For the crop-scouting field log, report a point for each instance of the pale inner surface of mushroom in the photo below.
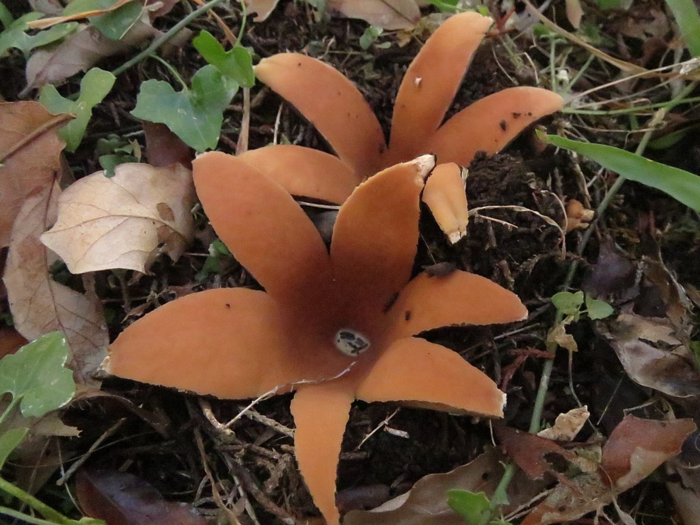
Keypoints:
(351, 342)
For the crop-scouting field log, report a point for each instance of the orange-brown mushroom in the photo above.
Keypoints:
(445, 196)
(577, 216)
(333, 327)
(339, 111)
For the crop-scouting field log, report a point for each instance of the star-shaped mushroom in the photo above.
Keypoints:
(332, 325)
(342, 115)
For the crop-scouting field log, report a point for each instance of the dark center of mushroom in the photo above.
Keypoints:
(351, 342)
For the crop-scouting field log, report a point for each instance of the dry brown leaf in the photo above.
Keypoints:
(261, 8)
(426, 503)
(638, 446)
(121, 498)
(119, 222)
(684, 480)
(39, 304)
(79, 52)
(652, 356)
(387, 14)
(574, 12)
(10, 341)
(634, 450)
(531, 453)
(560, 336)
(45, 23)
(567, 425)
(163, 147)
(29, 156)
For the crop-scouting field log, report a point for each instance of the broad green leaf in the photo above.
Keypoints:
(597, 309)
(611, 4)
(446, 6)
(94, 87)
(6, 17)
(568, 303)
(679, 184)
(113, 24)
(686, 14)
(15, 36)
(114, 151)
(195, 115)
(473, 507)
(695, 348)
(37, 376)
(9, 441)
(235, 64)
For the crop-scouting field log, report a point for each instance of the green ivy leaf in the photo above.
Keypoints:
(568, 303)
(94, 87)
(6, 17)
(235, 64)
(473, 507)
(15, 36)
(597, 309)
(114, 24)
(9, 441)
(370, 36)
(114, 151)
(195, 115)
(446, 6)
(36, 375)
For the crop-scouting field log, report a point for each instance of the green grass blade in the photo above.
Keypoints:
(679, 184)
(686, 14)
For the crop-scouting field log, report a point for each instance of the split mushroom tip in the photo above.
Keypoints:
(105, 366)
(424, 165)
(455, 236)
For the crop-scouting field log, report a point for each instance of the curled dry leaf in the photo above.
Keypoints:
(79, 52)
(613, 274)
(261, 8)
(10, 341)
(387, 14)
(39, 304)
(652, 355)
(684, 480)
(634, 450)
(163, 147)
(119, 222)
(574, 12)
(532, 454)
(29, 156)
(567, 425)
(426, 503)
(120, 498)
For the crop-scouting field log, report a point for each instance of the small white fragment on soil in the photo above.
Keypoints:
(567, 425)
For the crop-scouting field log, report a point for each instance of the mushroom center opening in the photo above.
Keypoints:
(351, 342)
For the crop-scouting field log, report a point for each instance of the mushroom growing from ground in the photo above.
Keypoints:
(342, 115)
(332, 325)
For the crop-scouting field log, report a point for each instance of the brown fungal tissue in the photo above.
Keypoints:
(333, 325)
(342, 115)
(578, 217)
